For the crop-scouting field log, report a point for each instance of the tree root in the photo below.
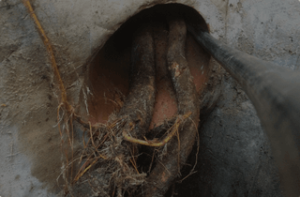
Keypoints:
(156, 142)
(138, 106)
(168, 168)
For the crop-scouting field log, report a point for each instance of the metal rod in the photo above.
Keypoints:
(275, 94)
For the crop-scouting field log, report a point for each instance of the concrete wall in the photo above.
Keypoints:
(235, 158)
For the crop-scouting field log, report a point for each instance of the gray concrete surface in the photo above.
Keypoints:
(235, 158)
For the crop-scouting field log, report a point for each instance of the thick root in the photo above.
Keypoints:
(138, 106)
(168, 168)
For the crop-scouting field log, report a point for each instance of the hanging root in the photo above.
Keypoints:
(138, 106)
(166, 170)
(49, 49)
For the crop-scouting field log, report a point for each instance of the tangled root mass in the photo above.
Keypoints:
(108, 165)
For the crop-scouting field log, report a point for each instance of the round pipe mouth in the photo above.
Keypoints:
(108, 78)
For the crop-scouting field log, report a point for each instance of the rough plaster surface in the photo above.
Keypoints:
(235, 158)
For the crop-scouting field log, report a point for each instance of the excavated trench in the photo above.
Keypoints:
(141, 103)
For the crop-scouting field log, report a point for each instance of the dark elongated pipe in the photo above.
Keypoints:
(275, 94)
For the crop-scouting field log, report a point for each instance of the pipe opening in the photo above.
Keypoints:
(108, 79)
